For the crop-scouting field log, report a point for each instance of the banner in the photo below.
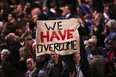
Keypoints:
(57, 36)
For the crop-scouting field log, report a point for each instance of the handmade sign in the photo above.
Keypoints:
(57, 36)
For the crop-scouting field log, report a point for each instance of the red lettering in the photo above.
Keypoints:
(69, 33)
(62, 35)
(54, 35)
(59, 35)
(44, 36)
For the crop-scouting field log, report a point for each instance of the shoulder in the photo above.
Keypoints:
(36, 70)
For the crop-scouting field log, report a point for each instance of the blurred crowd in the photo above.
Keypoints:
(97, 57)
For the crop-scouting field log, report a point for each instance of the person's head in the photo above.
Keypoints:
(11, 38)
(41, 56)
(112, 25)
(77, 58)
(35, 11)
(99, 18)
(31, 64)
(92, 42)
(11, 16)
(28, 42)
(45, 10)
(19, 32)
(67, 9)
(19, 8)
(106, 7)
(54, 57)
(94, 37)
(28, 4)
(4, 54)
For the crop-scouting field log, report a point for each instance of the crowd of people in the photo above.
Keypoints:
(97, 57)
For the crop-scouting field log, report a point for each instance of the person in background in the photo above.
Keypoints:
(19, 12)
(105, 12)
(32, 71)
(7, 65)
(48, 13)
(54, 66)
(112, 53)
(92, 49)
(41, 61)
(98, 28)
(112, 10)
(26, 52)
(113, 73)
(11, 24)
(67, 12)
(79, 69)
(111, 25)
(13, 45)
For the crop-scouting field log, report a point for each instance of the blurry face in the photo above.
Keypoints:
(94, 37)
(94, 13)
(66, 9)
(55, 57)
(30, 64)
(28, 5)
(4, 55)
(9, 17)
(35, 11)
(106, 8)
(19, 8)
(20, 32)
(45, 9)
(77, 58)
(41, 58)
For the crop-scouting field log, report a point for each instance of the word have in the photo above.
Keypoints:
(49, 36)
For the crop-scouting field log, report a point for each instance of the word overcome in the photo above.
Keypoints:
(57, 46)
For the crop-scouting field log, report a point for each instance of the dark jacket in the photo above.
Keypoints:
(8, 67)
(55, 69)
(34, 74)
(52, 69)
(69, 65)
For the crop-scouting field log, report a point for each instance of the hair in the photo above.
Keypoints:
(11, 35)
(6, 51)
(36, 11)
(112, 24)
(69, 7)
(13, 15)
(34, 60)
(100, 18)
